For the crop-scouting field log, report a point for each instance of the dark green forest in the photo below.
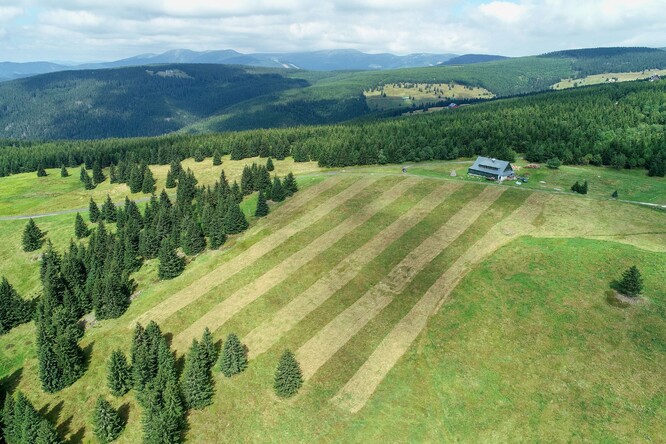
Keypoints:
(620, 125)
(591, 61)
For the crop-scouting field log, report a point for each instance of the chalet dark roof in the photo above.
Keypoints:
(492, 166)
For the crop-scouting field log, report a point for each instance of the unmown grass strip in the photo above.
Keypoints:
(216, 277)
(221, 313)
(313, 354)
(267, 334)
(362, 385)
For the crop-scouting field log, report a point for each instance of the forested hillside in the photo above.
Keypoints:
(619, 124)
(128, 102)
(199, 98)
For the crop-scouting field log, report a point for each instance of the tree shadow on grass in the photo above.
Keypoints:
(124, 412)
(87, 355)
(77, 437)
(11, 382)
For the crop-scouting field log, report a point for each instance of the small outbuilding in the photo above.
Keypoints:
(492, 168)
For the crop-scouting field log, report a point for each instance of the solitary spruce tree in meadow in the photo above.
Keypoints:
(107, 423)
(171, 179)
(41, 172)
(171, 265)
(575, 187)
(233, 359)
(583, 188)
(118, 374)
(63, 171)
(262, 205)
(217, 159)
(277, 191)
(197, 381)
(632, 282)
(81, 229)
(13, 309)
(614, 195)
(269, 164)
(288, 377)
(33, 237)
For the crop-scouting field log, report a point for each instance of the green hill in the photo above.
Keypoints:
(153, 100)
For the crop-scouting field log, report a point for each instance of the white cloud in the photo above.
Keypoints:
(96, 29)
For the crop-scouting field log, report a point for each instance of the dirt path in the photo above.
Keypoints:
(266, 335)
(319, 349)
(200, 287)
(362, 385)
(240, 299)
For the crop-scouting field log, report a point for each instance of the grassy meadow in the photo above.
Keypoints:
(400, 95)
(421, 307)
(597, 79)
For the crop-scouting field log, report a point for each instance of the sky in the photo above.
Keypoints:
(103, 30)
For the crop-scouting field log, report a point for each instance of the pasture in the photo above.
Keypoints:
(421, 307)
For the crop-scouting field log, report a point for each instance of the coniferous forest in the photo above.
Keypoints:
(619, 125)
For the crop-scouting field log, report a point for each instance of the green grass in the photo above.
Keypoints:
(527, 346)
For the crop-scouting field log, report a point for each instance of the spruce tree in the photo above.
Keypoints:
(234, 219)
(247, 181)
(233, 359)
(277, 191)
(114, 298)
(632, 282)
(171, 179)
(24, 425)
(171, 265)
(13, 309)
(119, 374)
(135, 181)
(262, 205)
(288, 377)
(208, 348)
(576, 187)
(107, 424)
(80, 228)
(193, 241)
(63, 171)
(583, 188)
(46, 433)
(262, 180)
(290, 185)
(93, 211)
(236, 192)
(197, 383)
(269, 164)
(33, 237)
(113, 174)
(198, 155)
(614, 195)
(217, 159)
(97, 174)
(108, 210)
(148, 184)
(216, 230)
(41, 172)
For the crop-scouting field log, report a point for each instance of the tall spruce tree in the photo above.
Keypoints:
(135, 180)
(81, 229)
(119, 374)
(217, 159)
(216, 230)
(93, 211)
(277, 191)
(234, 219)
(208, 348)
(33, 237)
(171, 265)
(63, 171)
(113, 174)
(108, 210)
(97, 174)
(13, 309)
(114, 297)
(631, 283)
(171, 179)
(22, 423)
(290, 185)
(197, 381)
(269, 164)
(233, 359)
(247, 181)
(41, 172)
(148, 184)
(288, 377)
(107, 423)
(193, 240)
(262, 205)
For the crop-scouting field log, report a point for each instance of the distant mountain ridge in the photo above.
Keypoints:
(468, 59)
(326, 60)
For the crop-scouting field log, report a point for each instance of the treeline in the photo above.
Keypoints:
(620, 125)
(604, 60)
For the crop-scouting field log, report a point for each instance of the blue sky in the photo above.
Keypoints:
(85, 30)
